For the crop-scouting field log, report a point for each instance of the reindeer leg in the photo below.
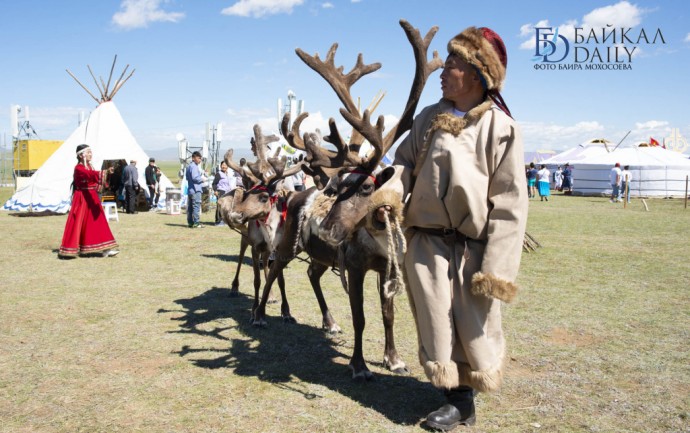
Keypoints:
(284, 306)
(391, 359)
(259, 313)
(360, 371)
(235, 288)
(315, 272)
(267, 265)
(256, 256)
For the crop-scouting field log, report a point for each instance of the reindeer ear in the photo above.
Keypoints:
(385, 175)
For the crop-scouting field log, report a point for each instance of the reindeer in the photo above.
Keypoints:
(256, 213)
(313, 218)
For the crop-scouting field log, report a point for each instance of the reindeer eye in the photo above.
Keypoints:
(366, 189)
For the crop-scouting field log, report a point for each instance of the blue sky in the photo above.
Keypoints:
(228, 61)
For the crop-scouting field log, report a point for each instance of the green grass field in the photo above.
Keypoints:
(150, 341)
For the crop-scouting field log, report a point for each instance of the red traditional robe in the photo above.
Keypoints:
(87, 230)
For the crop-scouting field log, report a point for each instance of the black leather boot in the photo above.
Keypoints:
(458, 411)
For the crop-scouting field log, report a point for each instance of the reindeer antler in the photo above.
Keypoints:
(361, 123)
(262, 168)
(243, 171)
(320, 163)
(423, 69)
(341, 83)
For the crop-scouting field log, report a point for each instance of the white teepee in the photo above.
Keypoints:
(49, 188)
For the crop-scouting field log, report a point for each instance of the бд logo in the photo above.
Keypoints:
(595, 48)
(547, 45)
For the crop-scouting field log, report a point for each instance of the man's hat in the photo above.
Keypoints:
(484, 49)
(152, 159)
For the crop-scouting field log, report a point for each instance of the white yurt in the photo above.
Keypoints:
(590, 148)
(656, 172)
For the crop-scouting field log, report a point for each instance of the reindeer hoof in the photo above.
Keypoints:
(289, 319)
(259, 323)
(403, 371)
(362, 375)
(332, 329)
(234, 293)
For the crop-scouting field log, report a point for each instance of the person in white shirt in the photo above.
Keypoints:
(558, 179)
(615, 179)
(544, 187)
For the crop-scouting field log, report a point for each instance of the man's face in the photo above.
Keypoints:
(196, 159)
(458, 79)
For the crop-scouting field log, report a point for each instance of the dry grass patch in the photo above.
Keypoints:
(151, 340)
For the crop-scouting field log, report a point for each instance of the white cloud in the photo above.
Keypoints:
(327, 5)
(539, 135)
(687, 37)
(139, 13)
(651, 124)
(622, 14)
(260, 8)
(617, 16)
(356, 1)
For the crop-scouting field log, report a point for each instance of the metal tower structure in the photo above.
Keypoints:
(292, 105)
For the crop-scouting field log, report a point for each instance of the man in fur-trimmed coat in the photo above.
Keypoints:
(463, 166)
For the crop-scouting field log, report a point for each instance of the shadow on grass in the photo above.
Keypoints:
(292, 355)
(230, 258)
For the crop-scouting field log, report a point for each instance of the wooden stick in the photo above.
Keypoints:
(119, 84)
(645, 205)
(97, 85)
(82, 86)
(686, 192)
(111, 75)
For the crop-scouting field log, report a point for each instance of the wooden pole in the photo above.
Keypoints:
(619, 143)
(82, 86)
(97, 85)
(119, 84)
(686, 192)
(112, 68)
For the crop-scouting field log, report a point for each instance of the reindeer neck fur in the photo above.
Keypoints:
(313, 212)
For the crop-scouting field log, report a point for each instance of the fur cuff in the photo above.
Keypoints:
(451, 375)
(493, 287)
(383, 197)
(488, 380)
(444, 375)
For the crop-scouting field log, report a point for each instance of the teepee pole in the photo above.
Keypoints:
(119, 83)
(82, 86)
(112, 68)
(96, 81)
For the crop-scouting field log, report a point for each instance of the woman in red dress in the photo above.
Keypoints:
(87, 230)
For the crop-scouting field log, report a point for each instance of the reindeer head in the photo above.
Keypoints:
(355, 178)
(264, 179)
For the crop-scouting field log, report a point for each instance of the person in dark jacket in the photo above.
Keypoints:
(130, 179)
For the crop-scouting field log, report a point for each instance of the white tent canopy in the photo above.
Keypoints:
(109, 138)
(655, 172)
(590, 148)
